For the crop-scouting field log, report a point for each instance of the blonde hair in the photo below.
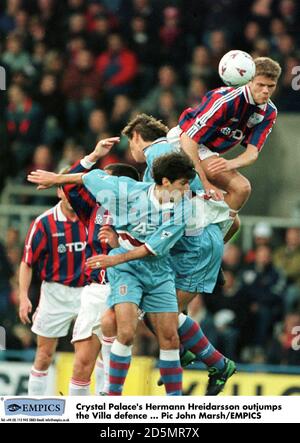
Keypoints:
(268, 68)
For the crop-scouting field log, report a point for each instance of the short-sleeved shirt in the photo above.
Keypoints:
(56, 245)
(138, 217)
(227, 117)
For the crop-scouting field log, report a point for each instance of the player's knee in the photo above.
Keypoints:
(241, 189)
(43, 359)
(108, 324)
(83, 368)
(169, 340)
(126, 336)
(245, 189)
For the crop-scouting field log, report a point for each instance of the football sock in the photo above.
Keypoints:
(107, 343)
(37, 383)
(120, 358)
(99, 376)
(79, 387)
(171, 371)
(192, 338)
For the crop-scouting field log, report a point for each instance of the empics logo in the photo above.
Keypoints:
(14, 407)
(34, 408)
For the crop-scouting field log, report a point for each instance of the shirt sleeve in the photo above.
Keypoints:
(259, 133)
(98, 181)
(35, 243)
(164, 238)
(81, 200)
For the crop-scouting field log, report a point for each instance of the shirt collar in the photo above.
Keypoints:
(156, 142)
(59, 215)
(249, 98)
(248, 95)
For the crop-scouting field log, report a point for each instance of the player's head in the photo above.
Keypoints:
(265, 81)
(173, 172)
(123, 170)
(141, 131)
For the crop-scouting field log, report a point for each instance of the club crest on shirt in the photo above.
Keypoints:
(61, 249)
(226, 131)
(123, 290)
(99, 217)
(166, 234)
(254, 120)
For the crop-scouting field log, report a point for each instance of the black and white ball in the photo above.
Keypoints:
(236, 68)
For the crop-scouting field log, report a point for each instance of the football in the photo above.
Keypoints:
(236, 68)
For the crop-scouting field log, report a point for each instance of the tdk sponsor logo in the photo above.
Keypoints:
(71, 247)
(34, 408)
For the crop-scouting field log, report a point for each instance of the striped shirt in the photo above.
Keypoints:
(56, 245)
(93, 216)
(227, 117)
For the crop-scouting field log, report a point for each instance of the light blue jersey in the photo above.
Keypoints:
(196, 259)
(140, 219)
(137, 214)
(157, 149)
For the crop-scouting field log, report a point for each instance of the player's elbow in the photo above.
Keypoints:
(254, 156)
(252, 153)
(245, 189)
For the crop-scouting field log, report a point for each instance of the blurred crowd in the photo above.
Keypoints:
(77, 70)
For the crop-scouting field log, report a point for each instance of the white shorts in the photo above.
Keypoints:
(173, 137)
(93, 305)
(205, 153)
(58, 307)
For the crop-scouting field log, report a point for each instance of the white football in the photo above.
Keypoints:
(236, 68)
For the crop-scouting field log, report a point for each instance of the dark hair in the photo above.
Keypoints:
(173, 166)
(123, 170)
(147, 126)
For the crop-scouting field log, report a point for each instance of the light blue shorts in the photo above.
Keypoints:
(196, 261)
(148, 283)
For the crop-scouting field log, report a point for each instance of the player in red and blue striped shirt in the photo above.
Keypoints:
(86, 333)
(55, 244)
(225, 118)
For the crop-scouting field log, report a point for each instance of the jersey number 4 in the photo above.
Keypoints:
(144, 229)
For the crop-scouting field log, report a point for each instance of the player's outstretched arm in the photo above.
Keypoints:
(190, 147)
(102, 148)
(246, 159)
(46, 179)
(108, 261)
